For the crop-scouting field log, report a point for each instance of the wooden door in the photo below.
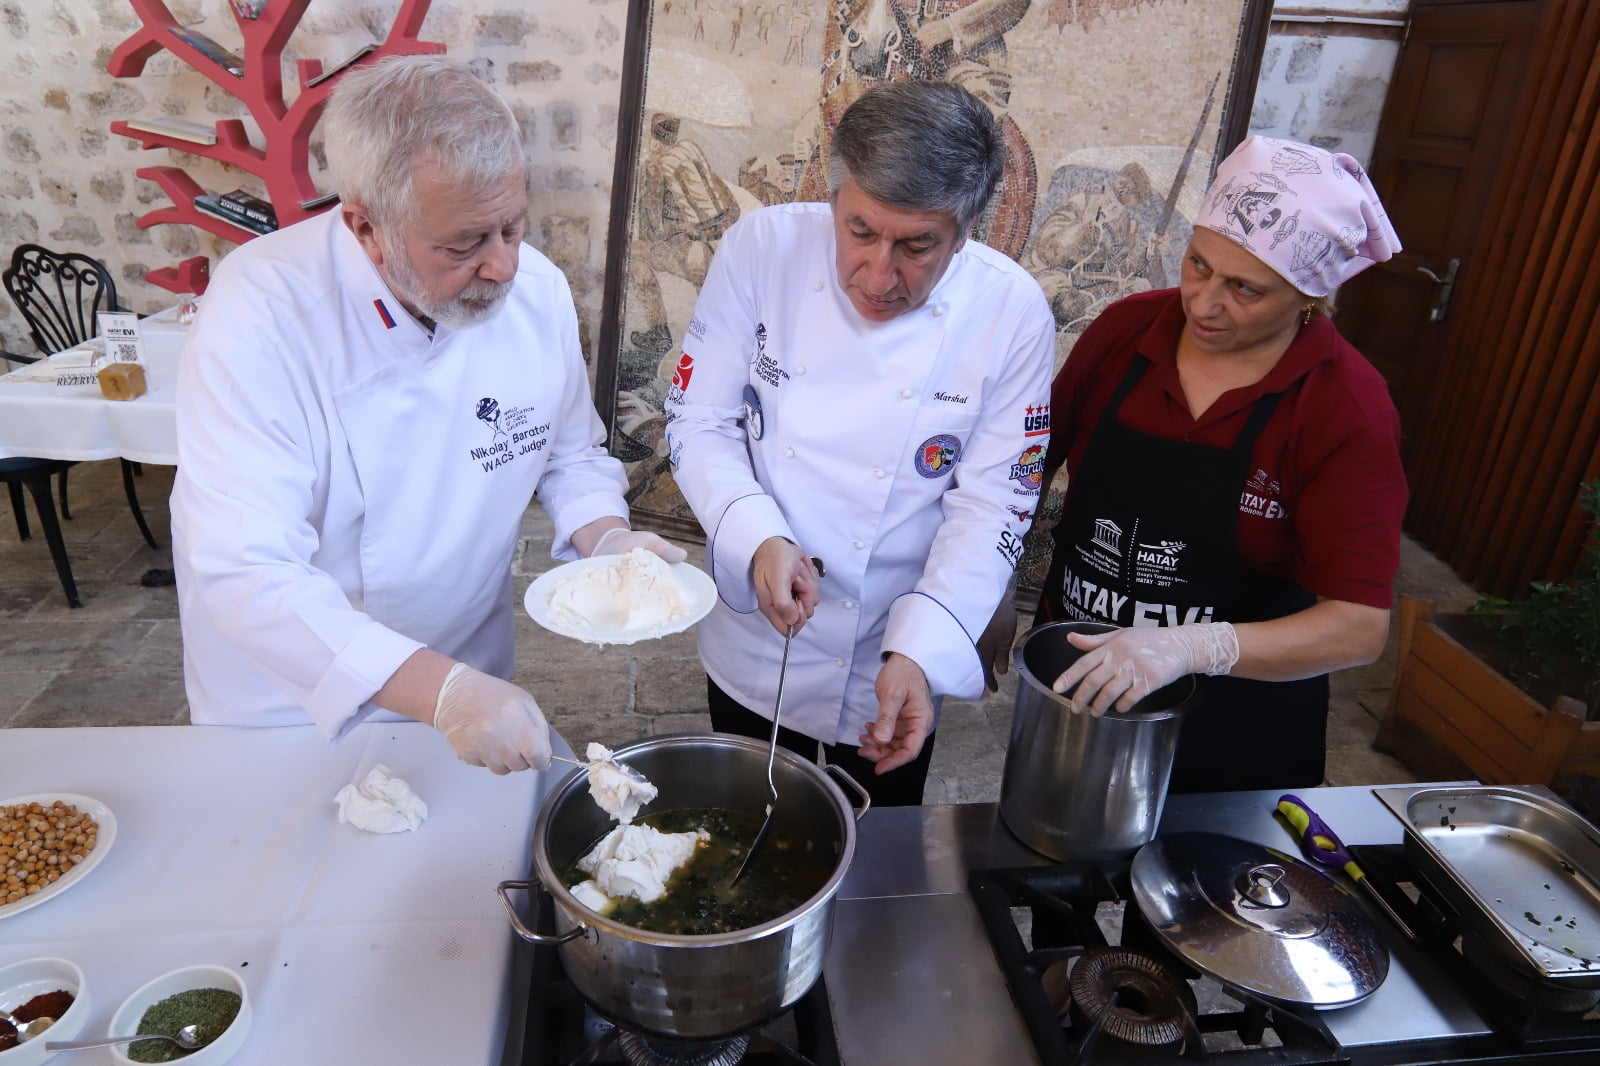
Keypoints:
(1440, 146)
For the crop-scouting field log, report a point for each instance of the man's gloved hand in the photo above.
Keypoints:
(1127, 665)
(621, 540)
(490, 722)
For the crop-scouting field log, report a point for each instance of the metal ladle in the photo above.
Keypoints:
(188, 1038)
(27, 1030)
(772, 751)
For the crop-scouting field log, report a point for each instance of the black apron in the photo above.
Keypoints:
(1149, 536)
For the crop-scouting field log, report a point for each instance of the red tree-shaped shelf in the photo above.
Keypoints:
(282, 161)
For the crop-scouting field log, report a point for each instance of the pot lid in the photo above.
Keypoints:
(1259, 919)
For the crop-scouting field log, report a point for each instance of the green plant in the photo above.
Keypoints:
(1558, 624)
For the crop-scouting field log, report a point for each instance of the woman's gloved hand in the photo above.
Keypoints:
(1125, 666)
(621, 540)
(490, 722)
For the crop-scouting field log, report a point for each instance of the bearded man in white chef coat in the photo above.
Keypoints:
(368, 401)
(861, 384)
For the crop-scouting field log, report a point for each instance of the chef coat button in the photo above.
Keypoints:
(905, 394)
(800, 369)
(878, 472)
(848, 605)
(839, 663)
(938, 311)
(816, 286)
(788, 453)
(859, 544)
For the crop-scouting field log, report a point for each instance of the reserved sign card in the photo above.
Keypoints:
(120, 331)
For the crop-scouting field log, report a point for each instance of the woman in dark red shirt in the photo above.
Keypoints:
(1234, 487)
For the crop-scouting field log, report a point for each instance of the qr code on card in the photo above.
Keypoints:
(123, 351)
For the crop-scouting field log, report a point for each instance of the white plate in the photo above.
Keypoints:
(102, 844)
(699, 594)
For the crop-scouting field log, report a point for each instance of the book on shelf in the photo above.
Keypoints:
(212, 205)
(250, 207)
(317, 203)
(360, 53)
(228, 61)
(175, 128)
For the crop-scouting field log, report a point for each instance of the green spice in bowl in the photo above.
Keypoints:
(209, 1010)
(213, 998)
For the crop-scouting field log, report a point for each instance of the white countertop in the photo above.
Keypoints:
(228, 850)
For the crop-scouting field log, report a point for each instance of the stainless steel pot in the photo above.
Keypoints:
(1077, 787)
(694, 987)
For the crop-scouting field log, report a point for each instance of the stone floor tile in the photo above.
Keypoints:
(18, 687)
(90, 697)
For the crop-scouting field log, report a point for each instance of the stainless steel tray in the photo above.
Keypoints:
(1519, 866)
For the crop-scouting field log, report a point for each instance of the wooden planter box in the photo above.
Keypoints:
(1451, 716)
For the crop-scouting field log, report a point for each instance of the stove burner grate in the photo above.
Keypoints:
(647, 1051)
(1136, 998)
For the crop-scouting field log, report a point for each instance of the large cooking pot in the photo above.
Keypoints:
(694, 987)
(1078, 787)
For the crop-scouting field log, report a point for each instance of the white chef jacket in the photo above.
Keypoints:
(350, 489)
(905, 454)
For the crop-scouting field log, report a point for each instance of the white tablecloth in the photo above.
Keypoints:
(48, 421)
(356, 948)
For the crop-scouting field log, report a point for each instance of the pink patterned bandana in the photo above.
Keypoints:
(1309, 214)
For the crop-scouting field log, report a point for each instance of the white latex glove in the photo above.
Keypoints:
(490, 722)
(621, 540)
(1127, 665)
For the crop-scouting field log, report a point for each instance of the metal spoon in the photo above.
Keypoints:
(27, 1030)
(777, 711)
(188, 1038)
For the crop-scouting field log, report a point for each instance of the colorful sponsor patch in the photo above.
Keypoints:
(1037, 421)
(938, 455)
(1028, 470)
(685, 370)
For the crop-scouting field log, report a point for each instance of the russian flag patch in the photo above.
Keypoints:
(383, 313)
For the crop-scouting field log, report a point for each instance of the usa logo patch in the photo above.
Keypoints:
(937, 455)
(1037, 421)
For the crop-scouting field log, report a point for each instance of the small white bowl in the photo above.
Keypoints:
(126, 1021)
(21, 981)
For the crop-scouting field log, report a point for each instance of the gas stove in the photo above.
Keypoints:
(1093, 983)
(558, 1028)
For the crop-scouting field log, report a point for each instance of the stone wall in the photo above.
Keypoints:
(67, 182)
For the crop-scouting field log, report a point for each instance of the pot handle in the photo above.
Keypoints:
(516, 919)
(844, 776)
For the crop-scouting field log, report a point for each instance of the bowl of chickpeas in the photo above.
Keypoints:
(49, 842)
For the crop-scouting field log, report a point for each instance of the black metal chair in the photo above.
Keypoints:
(59, 294)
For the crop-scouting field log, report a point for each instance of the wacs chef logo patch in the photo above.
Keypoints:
(937, 455)
(510, 435)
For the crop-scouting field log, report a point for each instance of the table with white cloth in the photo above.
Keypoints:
(355, 947)
(43, 420)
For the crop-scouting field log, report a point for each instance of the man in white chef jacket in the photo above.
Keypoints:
(367, 402)
(861, 384)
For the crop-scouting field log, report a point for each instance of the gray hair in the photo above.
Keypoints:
(922, 146)
(384, 118)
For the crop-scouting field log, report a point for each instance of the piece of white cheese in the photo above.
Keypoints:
(381, 803)
(635, 861)
(618, 792)
(634, 594)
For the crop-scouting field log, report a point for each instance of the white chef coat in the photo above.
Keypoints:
(351, 489)
(905, 454)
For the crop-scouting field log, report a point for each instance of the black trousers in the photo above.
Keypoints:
(901, 787)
